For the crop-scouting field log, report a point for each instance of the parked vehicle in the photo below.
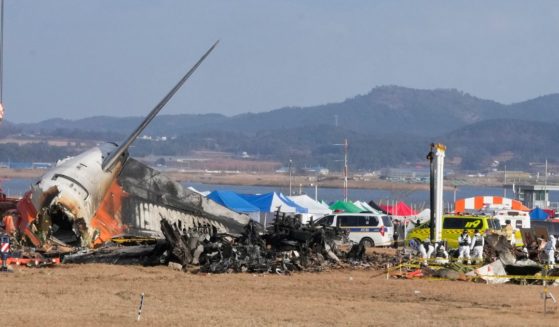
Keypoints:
(453, 225)
(519, 219)
(366, 228)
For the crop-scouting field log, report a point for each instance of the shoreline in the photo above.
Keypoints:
(280, 180)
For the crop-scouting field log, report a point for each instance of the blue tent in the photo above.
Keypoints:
(269, 202)
(232, 201)
(538, 214)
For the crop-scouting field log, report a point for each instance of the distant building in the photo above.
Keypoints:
(405, 174)
(42, 165)
(533, 195)
(25, 165)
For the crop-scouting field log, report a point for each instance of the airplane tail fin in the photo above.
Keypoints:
(113, 157)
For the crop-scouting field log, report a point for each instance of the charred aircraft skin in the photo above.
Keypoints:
(102, 193)
(152, 196)
(130, 200)
(69, 193)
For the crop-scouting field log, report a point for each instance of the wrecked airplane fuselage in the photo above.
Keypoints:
(102, 193)
(66, 198)
(80, 204)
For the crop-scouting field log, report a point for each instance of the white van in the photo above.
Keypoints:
(518, 219)
(366, 228)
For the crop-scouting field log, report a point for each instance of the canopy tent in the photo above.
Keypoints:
(550, 213)
(365, 206)
(424, 215)
(315, 209)
(232, 201)
(538, 214)
(399, 209)
(204, 193)
(345, 207)
(480, 202)
(269, 203)
(375, 206)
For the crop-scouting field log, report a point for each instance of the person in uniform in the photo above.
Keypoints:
(478, 243)
(426, 250)
(396, 235)
(550, 250)
(441, 255)
(509, 232)
(10, 221)
(464, 242)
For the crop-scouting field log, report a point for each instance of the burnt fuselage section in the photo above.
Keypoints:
(79, 204)
(91, 198)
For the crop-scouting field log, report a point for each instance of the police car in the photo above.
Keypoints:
(367, 228)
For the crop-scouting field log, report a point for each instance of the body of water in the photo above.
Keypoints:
(418, 198)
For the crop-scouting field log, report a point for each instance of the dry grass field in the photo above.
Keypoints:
(105, 295)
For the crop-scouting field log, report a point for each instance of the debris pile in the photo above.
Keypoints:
(286, 246)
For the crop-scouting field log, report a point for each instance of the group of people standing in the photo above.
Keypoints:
(438, 250)
(469, 248)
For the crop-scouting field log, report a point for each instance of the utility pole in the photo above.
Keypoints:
(545, 197)
(455, 188)
(346, 168)
(1, 60)
(290, 164)
(346, 171)
(505, 183)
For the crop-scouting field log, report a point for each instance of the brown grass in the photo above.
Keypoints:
(100, 295)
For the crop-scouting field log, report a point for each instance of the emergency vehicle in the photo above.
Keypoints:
(519, 219)
(366, 228)
(453, 225)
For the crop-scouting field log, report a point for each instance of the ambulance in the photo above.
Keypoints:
(518, 219)
(453, 225)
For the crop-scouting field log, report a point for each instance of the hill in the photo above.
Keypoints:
(389, 126)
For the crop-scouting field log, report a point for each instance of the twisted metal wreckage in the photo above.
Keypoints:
(103, 194)
(285, 246)
(104, 206)
(503, 263)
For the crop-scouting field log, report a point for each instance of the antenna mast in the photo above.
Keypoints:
(346, 170)
(1, 59)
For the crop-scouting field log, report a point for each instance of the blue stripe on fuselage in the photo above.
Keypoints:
(363, 229)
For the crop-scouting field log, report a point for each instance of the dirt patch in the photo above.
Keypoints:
(93, 295)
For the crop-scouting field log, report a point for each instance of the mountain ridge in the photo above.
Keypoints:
(397, 122)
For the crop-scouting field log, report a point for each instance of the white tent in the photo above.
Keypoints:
(204, 193)
(269, 203)
(315, 209)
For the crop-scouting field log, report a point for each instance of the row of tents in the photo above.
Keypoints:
(262, 207)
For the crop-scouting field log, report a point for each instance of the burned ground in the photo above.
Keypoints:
(99, 295)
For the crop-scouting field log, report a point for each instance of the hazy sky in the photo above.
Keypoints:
(75, 59)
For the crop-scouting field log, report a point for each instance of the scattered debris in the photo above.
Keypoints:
(286, 246)
(146, 255)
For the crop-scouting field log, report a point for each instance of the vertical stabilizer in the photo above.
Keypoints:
(113, 157)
